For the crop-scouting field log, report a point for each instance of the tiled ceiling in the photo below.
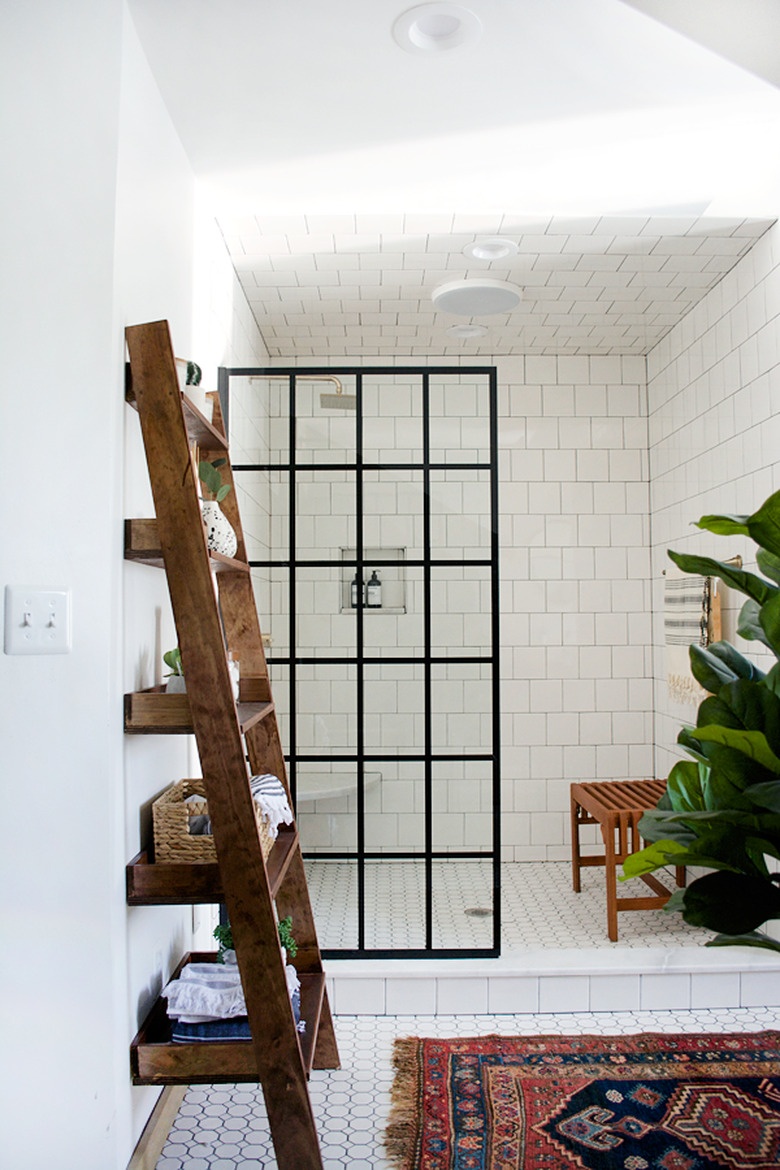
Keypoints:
(361, 285)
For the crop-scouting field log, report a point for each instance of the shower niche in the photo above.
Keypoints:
(389, 712)
(385, 565)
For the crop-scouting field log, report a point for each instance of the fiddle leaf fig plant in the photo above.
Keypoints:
(721, 808)
(210, 477)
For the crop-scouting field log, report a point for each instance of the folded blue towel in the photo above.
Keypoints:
(235, 1029)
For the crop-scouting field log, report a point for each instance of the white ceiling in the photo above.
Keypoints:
(631, 165)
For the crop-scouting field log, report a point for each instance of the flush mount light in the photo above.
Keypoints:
(476, 298)
(433, 28)
(491, 248)
(467, 330)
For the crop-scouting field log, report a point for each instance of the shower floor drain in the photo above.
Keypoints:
(478, 912)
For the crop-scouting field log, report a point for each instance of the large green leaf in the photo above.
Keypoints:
(718, 710)
(652, 857)
(724, 525)
(764, 525)
(752, 939)
(765, 795)
(752, 744)
(769, 564)
(656, 826)
(749, 623)
(755, 706)
(769, 620)
(730, 903)
(755, 587)
(685, 786)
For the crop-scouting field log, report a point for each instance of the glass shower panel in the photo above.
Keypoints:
(325, 514)
(394, 806)
(461, 708)
(254, 414)
(333, 889)
(397, 628)
(392, 418)
(323, 629)
(459, 418)
(461, 524)
(326, 711)
(394, 708)
(393, 511)
(272, 596)
(462, 903)
(461, 600)
(325, 418)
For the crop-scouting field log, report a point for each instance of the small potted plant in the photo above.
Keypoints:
(220, 536)
(176, 683)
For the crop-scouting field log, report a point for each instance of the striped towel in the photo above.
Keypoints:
(687, 604)
(270, 797)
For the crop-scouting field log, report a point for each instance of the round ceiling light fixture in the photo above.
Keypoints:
(434, 28)
(467, 330)
(490, 248)
(476, 298)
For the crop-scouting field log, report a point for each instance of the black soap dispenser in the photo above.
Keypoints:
(374, 592)
(356, 591)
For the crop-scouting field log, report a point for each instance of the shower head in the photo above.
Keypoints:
(338, 401)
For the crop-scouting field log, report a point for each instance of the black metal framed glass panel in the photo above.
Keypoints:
(373, 538)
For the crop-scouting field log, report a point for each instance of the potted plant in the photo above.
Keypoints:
(176, 683)
(220, 536)
(721, 809)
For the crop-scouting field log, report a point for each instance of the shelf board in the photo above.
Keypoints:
(156, 1060)
(142, 545)
(154, 712)
(199, 429)
(186, 884)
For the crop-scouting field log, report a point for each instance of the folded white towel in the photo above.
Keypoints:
(270, 797)
(206, 991)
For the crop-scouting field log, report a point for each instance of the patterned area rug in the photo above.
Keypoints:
(646, 1102)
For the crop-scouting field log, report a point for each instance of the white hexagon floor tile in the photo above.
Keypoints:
(223, 1127)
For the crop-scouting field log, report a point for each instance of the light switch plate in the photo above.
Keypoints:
(37, 621)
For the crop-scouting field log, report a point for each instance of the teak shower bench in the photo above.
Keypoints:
(617, 805)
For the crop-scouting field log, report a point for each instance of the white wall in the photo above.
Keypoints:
(714, 437)
(101, 228)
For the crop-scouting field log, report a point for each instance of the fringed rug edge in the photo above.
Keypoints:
(403, 1123)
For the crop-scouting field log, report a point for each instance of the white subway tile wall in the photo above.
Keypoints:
(714, 437)
(604, 462)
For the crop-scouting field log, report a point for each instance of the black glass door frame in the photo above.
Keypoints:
(361, 758)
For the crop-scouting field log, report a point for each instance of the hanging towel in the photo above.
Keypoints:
(271, 798)
(687, 604)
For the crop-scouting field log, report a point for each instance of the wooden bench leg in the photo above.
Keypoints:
(575, 844)
(610, 872)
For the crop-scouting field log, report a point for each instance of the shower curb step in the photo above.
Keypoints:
(559, 981)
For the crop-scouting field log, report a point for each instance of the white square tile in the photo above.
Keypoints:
(467, 996)
(564, 993)
(515, 994)
(614, 993)
(359, 996)
(410, 996)
(665, 991)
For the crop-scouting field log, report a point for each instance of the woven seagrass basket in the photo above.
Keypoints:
(172, 838)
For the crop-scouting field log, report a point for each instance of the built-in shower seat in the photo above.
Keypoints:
(616, 806)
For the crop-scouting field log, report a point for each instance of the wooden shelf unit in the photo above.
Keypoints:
(256, 892)
(181, 883)
(156, 1060)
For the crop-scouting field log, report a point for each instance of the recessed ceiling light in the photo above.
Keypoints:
(467, 330)
(476, 298)
(433, 28)
(491, 248)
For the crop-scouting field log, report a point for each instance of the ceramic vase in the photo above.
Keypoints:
(220, 536)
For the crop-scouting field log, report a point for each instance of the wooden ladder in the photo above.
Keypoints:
(210, 621)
